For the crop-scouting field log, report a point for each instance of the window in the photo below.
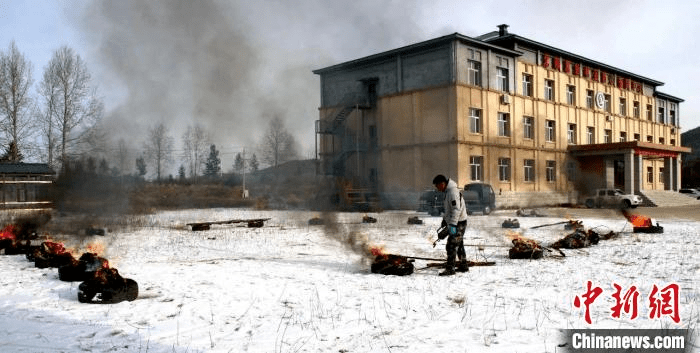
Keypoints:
(474, 72)
(549, 90)
(607, 103)
(551, 171)
(528, 128)
(527, 85)
(636, 137)
(502, 79)
(570, 171)
(529, 169)
(650, 174)
(571, 95)
(504, 169)
(635, 109)
(662, 113)
(649, 109)
(589, 99)
(571, 134)
(650, 138)
(672, 115)
(623, 136)
(607, 137)
(549, 131)
(623, 106)
(661, 175)
(590, 135)
(673, 142)
(476, 164)
(503, 124)
(662, 140)
(475, 120)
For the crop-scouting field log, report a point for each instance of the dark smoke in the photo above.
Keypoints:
(230, 65)
(350, 238)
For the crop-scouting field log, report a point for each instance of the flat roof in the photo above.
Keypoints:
(25, 168)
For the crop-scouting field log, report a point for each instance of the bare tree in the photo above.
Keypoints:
(159, 149)
(195, 141)
(72, 108)
(15, 99)
(278, 144)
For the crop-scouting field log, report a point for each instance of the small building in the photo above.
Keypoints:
(25, 185)
(540, 124)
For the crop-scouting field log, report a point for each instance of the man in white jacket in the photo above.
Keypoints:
(455, 219)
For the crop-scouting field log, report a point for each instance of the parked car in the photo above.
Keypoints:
(479, 197)
(691, 192)
(431, 201)
(613, 198)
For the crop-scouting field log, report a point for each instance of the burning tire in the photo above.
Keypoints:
(390, 264)
(108, 287)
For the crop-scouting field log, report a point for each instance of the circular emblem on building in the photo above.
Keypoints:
(600, 100)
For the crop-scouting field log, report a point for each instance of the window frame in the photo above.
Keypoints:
(474, 72)
(550, 171)
(527, 85)
(529, 170)
(504, 129)
(590, 135)
(571, 133)
(550, 127)
(504, 174)
(476, 168)
(502, 79)
(528, 127)
(475, 121)
(549, 90)
(571, 94)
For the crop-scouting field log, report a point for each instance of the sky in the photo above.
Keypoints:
(232, 66)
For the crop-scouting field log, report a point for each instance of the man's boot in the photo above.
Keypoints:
(463, 266)
(449, 271)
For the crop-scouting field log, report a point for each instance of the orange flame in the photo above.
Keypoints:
(639, 221)
(8, 232)
(95, 248)
(376, 250)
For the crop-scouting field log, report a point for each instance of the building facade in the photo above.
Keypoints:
(25, 185)
(540, 124)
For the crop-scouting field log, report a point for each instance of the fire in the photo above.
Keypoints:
(95, 248)
(8, 232)
(376, 250)
(639, 221)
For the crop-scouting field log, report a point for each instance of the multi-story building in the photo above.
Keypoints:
(540, 124)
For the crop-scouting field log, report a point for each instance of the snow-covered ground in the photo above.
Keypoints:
(292, 287)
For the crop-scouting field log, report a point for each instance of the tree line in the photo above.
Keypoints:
(59, 123)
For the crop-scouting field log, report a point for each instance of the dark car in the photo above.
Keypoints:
(431, 201)
(691, 192)
(479, 197)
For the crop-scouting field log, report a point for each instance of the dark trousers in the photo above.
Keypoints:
(455, 245)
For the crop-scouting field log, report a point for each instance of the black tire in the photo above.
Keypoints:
(132, 290)
(626, 204)
(85, 293)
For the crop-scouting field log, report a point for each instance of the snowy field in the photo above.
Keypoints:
(292, 287)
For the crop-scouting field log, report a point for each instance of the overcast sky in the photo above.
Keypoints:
(233, 65)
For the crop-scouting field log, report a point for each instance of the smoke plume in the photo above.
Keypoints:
(230, 66)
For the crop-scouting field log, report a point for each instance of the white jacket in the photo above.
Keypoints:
(455, 209)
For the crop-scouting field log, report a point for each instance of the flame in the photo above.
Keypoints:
(639, 221)
(8, 232)
(95, 248)
(376, 250)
